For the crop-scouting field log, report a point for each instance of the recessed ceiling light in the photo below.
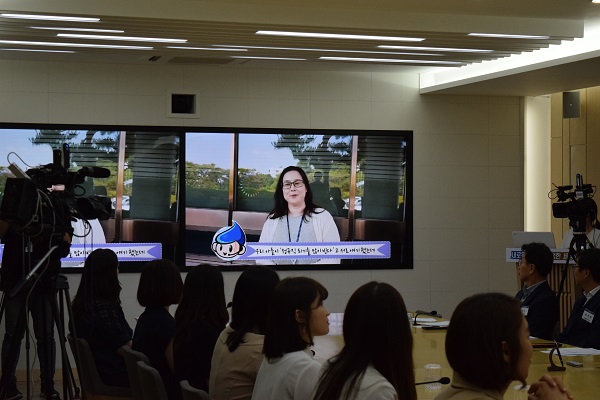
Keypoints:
(40, 51)
(596, 1)
(387, 60)
(203, 48)
(123, 38)
(49, 17)
(271, 58)
(58, 44)
(339, 36)
(50, 28)
(506, 36)
(435, 49)
(324, 50)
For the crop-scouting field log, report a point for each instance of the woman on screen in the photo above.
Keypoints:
(296, 316)
(488, 347)
(376, 361)
(295, 218)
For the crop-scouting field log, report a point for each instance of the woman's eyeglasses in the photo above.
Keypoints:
(296, 184)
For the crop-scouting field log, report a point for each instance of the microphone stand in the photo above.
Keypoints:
(419, 312)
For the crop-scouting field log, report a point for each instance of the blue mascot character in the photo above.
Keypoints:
(229, 242)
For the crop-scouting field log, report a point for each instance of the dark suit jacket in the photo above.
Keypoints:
(580, 332)
(543, 312)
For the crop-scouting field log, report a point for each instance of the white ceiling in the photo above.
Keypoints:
(208, 23)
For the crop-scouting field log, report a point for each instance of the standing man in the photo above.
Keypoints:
(539, 303)
(583, 327)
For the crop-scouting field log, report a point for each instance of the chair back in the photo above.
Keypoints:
(191, 393)
(153, 387)
(89, 377)
(131, 358)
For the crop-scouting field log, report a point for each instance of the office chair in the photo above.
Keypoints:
(153, 387)
(92, 385)
(191, 393)
(131, 358)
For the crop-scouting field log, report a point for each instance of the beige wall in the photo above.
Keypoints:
(468, 153)
(575, 146)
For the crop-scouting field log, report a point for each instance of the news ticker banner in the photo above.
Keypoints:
(124, 251)
(318, 250)
(515, 254)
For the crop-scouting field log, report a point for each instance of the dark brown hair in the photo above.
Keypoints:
(160, 284)
(203, 299)
(376, 333)
(99, 281)
(281, 206)
(474, 342)
(590, 259)
(539, 255)
(283, 333)
(251, 298)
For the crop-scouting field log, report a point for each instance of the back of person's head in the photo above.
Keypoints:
(291, 297)
(160, 284)
(590, 259)
(377, 333)
(99, 281)
(203, 299)
(481, 329)
(250, 304)
(540, 255)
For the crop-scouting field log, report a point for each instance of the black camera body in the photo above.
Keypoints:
(574, 204)
(44, 200)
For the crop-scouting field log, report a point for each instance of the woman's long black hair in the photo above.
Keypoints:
(281, 206)
(377, 333)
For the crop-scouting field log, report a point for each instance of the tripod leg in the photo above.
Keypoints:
(59, 322)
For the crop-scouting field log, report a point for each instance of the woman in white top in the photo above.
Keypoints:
(295, 218)
(376, 361)
(296, 315)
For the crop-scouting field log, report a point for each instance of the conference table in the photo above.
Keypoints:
(583, 382)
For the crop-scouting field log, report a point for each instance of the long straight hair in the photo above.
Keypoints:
(250, 304)
(99, 281)
(283, 333)
(203, 299)
(376, 332)
(281, 205)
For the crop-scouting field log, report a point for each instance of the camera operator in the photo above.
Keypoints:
(19, 252)
(592, 226)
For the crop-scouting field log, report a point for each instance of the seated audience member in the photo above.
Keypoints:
(296, 315)
(160, 286)
(376, 361)
(488, 347)
(238, 352)
(200, 317)
(539, 304)
(582, 328)
(98, 316)
(592, 225)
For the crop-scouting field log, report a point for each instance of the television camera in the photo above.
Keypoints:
(43, 199)
(574, 204)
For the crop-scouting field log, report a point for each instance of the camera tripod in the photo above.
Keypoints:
(579, 242)
(56, 298)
